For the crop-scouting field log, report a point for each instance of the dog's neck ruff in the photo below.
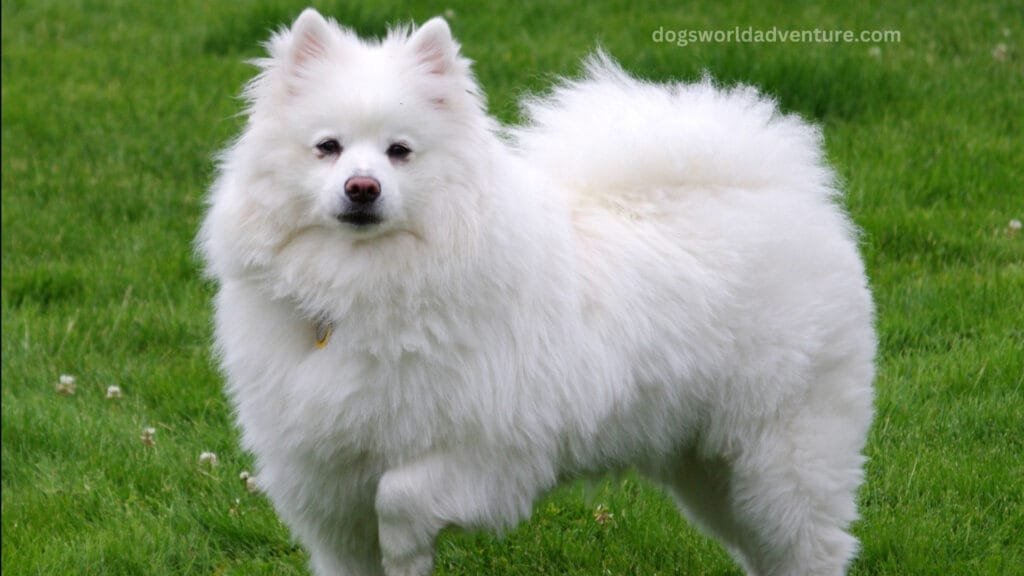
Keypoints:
(322, 330)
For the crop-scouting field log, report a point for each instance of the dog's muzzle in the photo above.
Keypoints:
(361, 205)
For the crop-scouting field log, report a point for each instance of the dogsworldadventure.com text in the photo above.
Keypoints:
(773, 35)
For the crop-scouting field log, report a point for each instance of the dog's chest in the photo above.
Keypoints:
(382, 395)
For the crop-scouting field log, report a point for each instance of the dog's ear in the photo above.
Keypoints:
(434, 47)
(311, 36)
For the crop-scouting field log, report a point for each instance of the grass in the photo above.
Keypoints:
(113, 109)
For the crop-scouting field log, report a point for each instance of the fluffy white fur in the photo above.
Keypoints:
(642, 275)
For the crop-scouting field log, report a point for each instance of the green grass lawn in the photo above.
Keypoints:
(112, 111)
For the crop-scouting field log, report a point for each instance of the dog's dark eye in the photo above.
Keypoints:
(398, 151)
(329, 147)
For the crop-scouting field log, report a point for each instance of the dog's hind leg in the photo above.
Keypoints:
(782, 500)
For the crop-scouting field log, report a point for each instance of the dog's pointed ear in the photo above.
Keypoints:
(311, 36)
(434, 47)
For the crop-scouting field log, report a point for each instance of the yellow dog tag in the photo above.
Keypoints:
(324, 329)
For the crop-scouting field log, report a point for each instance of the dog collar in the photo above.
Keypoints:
(322, 333)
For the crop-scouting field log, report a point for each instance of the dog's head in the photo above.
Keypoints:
(364, 132)
(353, 150)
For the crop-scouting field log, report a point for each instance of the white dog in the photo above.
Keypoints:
(425, 321)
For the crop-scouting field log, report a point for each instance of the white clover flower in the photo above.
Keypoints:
(1014, 225)
(999, 52)
(249, 481)
(147, 436)
(113, 392)
(66, 384)
(208, 458)
(449, 13)
(875, 52)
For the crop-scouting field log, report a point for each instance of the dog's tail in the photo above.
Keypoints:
(610, 133)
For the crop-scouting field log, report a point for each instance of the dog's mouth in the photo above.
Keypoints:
(360, 218)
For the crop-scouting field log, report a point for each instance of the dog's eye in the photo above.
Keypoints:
(398, 151)
(329, 147)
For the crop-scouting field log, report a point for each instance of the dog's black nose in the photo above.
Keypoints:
(362, 189)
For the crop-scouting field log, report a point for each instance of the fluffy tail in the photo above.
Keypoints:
(610, 133)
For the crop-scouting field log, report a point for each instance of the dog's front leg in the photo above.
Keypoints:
(415, 501)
